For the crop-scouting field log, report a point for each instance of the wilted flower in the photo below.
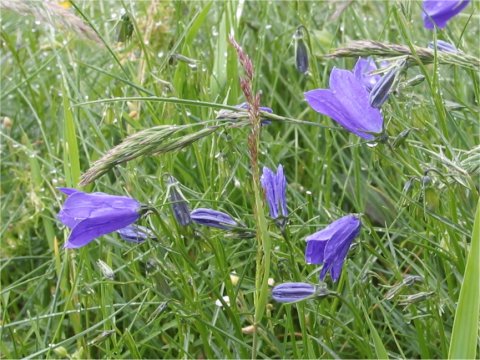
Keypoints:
(96, 214)
(363, 71)
(275, 187)
(347, 103)
(292, 292)
(180, 209)
(443, 46)
(213, 218)
(439, 12)
(330, 245)
(136, 233)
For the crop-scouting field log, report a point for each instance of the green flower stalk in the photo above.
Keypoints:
(263, 240)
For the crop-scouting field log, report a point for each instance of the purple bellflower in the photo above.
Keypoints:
(213, 218)
(136, 233)
(96, 214)
(347, 102)
(293, 292)
(275, 187)
(439, 12)
(363, 71)
(330, 245)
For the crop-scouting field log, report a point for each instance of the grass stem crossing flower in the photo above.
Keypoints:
(363, 71)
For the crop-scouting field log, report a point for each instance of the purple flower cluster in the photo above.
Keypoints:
(328, 246)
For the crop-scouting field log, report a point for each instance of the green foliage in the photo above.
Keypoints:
(67, 100)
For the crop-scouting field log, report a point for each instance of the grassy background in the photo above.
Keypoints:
(161, 303)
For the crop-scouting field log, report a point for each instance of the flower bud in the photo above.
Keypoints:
(213, 218)
(179, 205)
(136, 233)
(301, 52)
(443, 46)
(292, 292)
(382, 89)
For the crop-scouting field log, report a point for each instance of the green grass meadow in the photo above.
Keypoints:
(74, 87)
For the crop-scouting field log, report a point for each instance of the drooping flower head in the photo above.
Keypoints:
(136, 233)
(330, 245)
(275, 187)
(439, 12)
(347, 102)
(95, 214)
(213, 218)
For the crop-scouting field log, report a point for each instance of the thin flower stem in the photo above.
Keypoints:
(263, 240)
(286, 237)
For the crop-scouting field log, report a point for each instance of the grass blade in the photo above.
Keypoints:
(463, 344)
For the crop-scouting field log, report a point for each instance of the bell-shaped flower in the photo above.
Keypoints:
(136, 233)
(213, 218)
(439, 12)
(275, 187)
(330, 245)
(347, 102)
(95, 214)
